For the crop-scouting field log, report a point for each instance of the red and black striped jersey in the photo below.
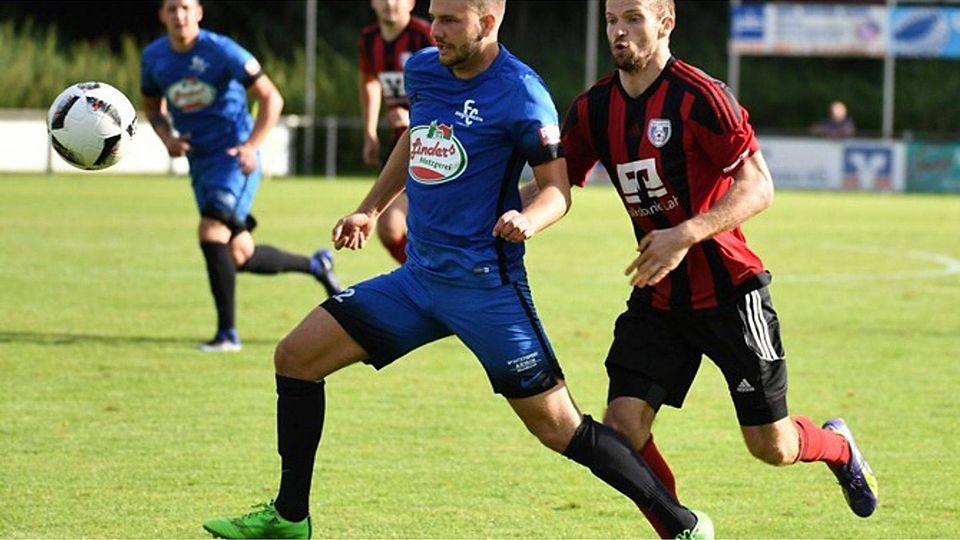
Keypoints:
(671, 153)
(385, 59)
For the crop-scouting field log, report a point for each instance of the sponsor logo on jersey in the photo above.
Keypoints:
(436, 155)
(659, 131)
(391, 84)
(469, 114)
(191, 94)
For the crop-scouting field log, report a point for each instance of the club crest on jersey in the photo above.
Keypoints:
(469, 114)
(659, 131)
(436, 155)
(198, 64)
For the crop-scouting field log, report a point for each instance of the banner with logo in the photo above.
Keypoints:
(809, 30)
(852, 165)
(932, 32)
(783, 29)
(933, 168)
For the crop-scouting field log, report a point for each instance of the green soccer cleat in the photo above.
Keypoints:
(264, 522)
(703, 530)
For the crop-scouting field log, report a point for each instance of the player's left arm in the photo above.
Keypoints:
(269, 105)
(662, 250)
(550, 203)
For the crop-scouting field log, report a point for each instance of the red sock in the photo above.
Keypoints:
(651, 455)
(398, 250)
(818, 444)
(658, 466)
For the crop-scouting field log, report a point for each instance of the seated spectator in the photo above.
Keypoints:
(838, 126)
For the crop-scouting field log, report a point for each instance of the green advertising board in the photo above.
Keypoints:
(933, 168)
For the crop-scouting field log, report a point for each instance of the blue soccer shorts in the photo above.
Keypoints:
(222, 191)
(393, 314)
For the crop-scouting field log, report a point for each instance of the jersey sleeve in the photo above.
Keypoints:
(722, 129)
(575, 139)
(536, 127)
(243, 66)
(148, 84)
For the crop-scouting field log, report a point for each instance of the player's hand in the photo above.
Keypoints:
(660, 252)
(247, 156)
(353, 231)
(513, 227)
(371, 152)
(178, 146)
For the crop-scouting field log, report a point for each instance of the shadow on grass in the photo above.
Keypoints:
(57, 339)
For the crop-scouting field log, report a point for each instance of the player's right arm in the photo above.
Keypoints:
(353, 230)
(155, 109)
(370, 97)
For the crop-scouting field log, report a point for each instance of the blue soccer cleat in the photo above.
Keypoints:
(224, 341)
(321, 266)
(856, 478)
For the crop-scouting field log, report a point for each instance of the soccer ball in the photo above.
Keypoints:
(91, 125)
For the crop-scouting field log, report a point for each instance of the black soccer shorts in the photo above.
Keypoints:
(655, 355)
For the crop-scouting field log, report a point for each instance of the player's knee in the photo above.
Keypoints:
(286, 357)
(772, 452)
(635, 427)
(241, 248)
(553, 435)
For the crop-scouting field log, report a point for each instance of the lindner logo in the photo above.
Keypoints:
(659, 131)
(191, 94)
(469, 114)
(436, 155)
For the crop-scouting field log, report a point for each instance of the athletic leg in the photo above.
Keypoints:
(221, 274)
(744, 341)
(265, 259)
(633, 417)
(374, 321)
(317, 347)
(553, 418)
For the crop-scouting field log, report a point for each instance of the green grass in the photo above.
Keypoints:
(111, 426)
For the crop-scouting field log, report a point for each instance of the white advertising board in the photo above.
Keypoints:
(24, 147)
(851, 164)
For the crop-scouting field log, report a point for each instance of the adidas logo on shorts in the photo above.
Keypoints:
(744, 387)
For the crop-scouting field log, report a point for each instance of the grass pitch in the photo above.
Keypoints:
(112, 426)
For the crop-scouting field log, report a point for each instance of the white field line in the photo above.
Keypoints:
(946, 266)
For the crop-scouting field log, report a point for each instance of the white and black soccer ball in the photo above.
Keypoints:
(91, 125)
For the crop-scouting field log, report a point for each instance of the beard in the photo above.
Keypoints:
(463, 53)
(630, 61)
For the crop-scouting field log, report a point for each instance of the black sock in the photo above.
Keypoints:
(610, 458)
(300, 411)
(267, 259)
(223, 281)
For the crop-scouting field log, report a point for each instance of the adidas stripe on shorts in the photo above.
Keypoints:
(656, 354)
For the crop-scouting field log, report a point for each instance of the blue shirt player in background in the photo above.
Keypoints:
(477, 115)
(202, 80)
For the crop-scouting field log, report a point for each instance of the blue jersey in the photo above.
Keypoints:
(205, 89)
(469, 141)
